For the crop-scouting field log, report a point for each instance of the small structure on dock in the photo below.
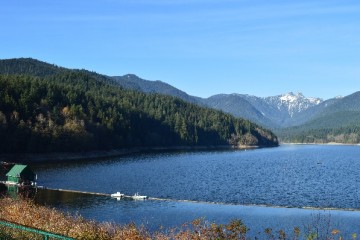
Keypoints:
(21, 175)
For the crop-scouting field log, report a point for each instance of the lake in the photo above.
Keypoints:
(266, 187)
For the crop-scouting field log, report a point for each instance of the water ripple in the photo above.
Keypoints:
(292, 176)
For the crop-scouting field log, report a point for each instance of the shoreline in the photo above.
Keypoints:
(34, 158)
(329, 143)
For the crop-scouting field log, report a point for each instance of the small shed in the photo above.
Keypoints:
(21, 174)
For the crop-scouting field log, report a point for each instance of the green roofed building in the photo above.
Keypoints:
(21, 174)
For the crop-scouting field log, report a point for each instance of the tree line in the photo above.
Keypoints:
(77, 110)
(347, 135)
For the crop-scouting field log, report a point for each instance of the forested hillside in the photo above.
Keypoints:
(340, 127)
(45, 108)
(338, 121)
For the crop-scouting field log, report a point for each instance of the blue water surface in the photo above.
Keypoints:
(241, 183)
(290, 175)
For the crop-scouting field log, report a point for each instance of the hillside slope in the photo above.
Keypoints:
(336, 121)
(45, 108)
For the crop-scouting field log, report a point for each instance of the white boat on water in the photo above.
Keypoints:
(117, 195)
(136, 196)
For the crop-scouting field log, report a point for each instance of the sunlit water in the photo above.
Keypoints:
(293, 176)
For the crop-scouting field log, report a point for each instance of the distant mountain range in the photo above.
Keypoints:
(275, 112)
(287, 114)
(292, 116)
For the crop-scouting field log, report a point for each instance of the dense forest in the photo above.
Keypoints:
(45, 108)
(347, 135)
(341, 126)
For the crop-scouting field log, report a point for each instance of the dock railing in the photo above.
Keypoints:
(27, 230)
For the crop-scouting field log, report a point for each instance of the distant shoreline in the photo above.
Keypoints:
(330, 143)
(36, 158)
(93, 155)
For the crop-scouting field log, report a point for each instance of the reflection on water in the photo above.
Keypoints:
(15, 191)
(2, 189)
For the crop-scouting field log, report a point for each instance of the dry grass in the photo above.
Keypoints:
(27, 213)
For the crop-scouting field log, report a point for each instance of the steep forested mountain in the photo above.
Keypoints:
(45, 108)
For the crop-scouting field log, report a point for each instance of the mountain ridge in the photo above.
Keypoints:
(293, 116)
(283, 111)
(134, 82)
(272, 112)
(293, 103)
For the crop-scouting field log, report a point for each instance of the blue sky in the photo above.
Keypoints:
(203, 47)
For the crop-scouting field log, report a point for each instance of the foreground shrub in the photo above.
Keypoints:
(27, 213)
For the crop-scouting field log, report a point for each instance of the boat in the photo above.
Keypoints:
(117, 195)
(136, 196)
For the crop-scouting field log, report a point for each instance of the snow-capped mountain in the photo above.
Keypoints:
(274, 112)
(292, 103)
